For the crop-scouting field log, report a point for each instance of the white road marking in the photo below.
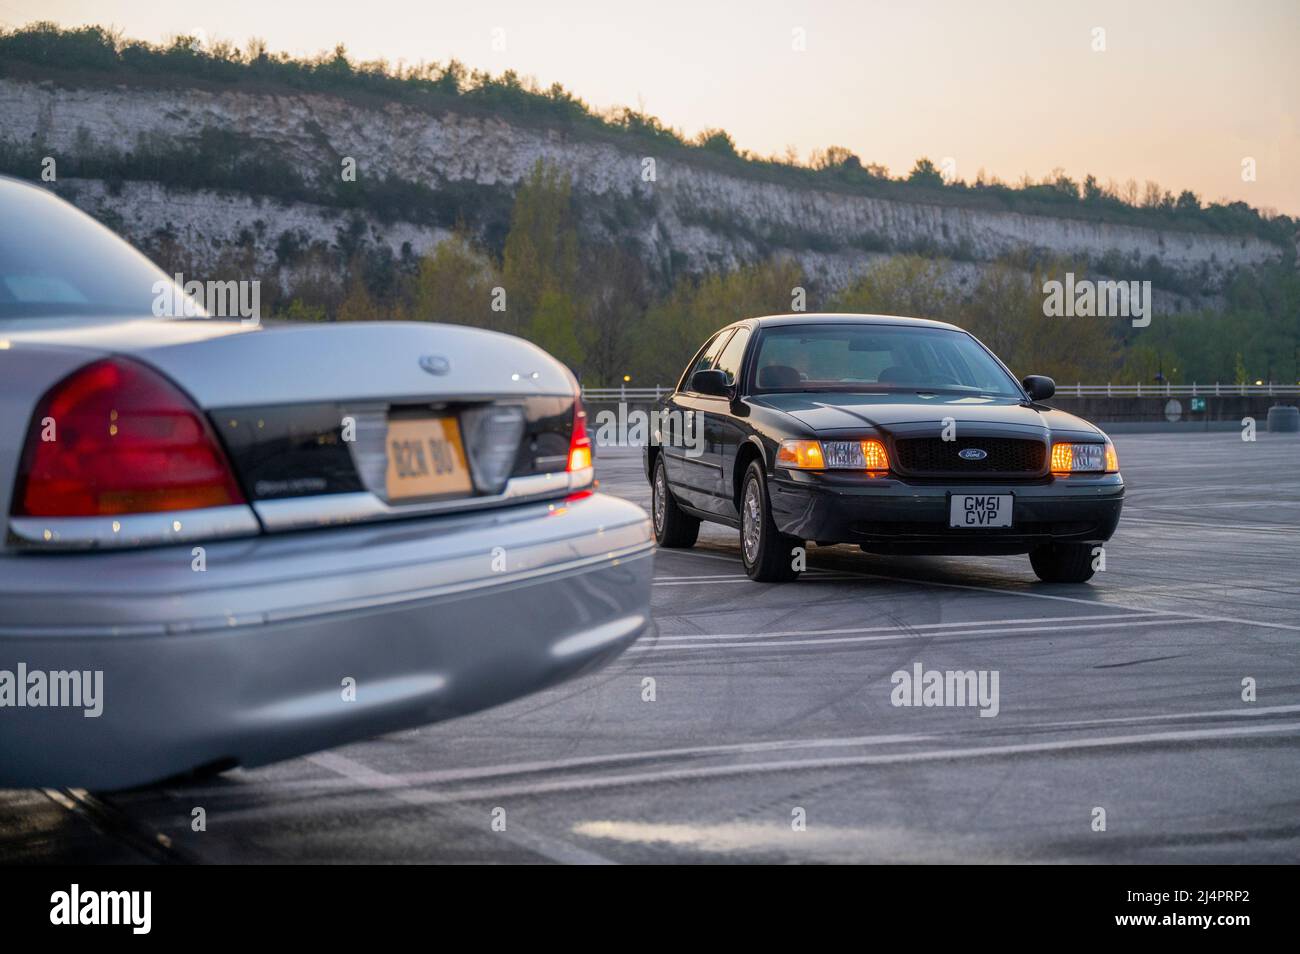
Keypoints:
(553, 849)
(807, 578)
(1182, 508)
(1245, 712)
(736, 748)
(586, 783)
(1201, 617)
(1044, 596)
(905, 628)
(1212, 527)
(733, 560)
(763, 641)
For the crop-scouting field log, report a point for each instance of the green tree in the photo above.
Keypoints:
(617, 297)
(696, 307)
(541, 248)
(925, 173)
(358, 305)
(454, 284)
(909, 285)
(717, 141)
(1009, 303)
(554, 326)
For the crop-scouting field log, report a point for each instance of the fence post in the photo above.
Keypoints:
(1193, 389)
(1139, 389)
(1216, 388)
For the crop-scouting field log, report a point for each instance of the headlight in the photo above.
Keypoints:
(1085, 458)
(868, 455)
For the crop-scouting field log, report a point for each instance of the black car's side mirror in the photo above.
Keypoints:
(1039, 387)
(711, 382)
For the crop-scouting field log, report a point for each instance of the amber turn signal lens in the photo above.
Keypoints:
(1062, 458)
(875, 456)
(801, 454)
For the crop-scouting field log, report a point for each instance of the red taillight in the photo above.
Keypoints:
(125, 440)
(579, 443)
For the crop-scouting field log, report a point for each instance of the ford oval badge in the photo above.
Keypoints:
(972, 453)
(435, 363)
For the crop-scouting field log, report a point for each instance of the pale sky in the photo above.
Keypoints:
(1183, 91)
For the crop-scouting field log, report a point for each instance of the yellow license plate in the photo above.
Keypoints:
(426, 458)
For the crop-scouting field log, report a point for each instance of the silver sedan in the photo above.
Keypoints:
(227, 544)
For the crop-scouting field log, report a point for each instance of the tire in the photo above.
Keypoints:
(674, 528)
(765, 551)
(1062, 562)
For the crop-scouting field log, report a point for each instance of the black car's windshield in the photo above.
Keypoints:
(57, 262)
(871, 357)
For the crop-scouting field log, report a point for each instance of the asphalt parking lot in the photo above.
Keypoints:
(772, 706)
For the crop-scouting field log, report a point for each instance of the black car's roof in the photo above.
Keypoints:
(826, 318)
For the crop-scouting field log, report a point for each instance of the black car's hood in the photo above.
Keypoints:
(843, 412)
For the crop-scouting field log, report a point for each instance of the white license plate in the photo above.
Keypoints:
(426, 458)
(977, 511)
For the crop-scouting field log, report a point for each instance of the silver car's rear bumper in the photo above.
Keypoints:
(249, 660)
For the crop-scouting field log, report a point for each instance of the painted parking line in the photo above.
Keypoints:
(1213, 527)
(908, 628)
(1027, 594)
(806, 578)
(1242, 712)
(974, 587)
(804, 765)
(351, 770)
(762, 641)
(549, 847)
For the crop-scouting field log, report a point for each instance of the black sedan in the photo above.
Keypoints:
(900, 435)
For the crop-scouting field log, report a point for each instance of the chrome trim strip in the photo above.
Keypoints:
(320, 510)
(134, 529)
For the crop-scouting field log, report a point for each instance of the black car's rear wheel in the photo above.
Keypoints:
(767, 553)
(674, 528)
(1062, 562)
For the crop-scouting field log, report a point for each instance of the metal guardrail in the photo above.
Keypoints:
(1062, 390)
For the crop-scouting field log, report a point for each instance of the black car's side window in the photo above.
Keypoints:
(705, 358)
(733, 356)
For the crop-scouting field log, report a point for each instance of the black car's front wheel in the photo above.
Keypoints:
(1063, 562)
(674, 528)
(769, 555)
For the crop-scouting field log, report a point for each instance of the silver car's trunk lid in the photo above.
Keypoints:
(305, 411)
(237, 366)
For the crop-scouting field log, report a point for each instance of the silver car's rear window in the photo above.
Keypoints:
(56, 261)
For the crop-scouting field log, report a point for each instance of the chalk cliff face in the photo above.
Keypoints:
(694, 215)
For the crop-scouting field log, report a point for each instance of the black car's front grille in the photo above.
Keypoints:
(934, 457)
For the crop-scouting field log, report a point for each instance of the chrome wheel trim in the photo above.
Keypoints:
(660, 499)
(751, 518)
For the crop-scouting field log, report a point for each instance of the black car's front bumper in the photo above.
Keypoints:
(891, 515)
